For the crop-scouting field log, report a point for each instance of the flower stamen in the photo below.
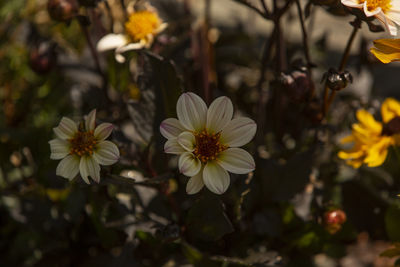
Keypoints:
(83, 143)
(208, 146)
(142, 24)
(385, 5)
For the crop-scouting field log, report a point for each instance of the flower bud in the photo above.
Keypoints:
(298, 84)
(62, 10)
(337, 80)
(42, 57)
(334, 219)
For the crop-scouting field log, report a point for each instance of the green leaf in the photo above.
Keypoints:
(207, 220)
(282, 182)
(392, 219)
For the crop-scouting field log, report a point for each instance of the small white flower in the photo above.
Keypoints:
(140, 30)
(83, 148)
(387, 11)
(207, 142)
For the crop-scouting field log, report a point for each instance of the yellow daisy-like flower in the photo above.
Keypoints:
(387, 11)
(372, 138)
(387, 50)
(140, 30)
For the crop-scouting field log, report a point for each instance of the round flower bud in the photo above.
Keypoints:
(42, 58)
(62, 10)
(334, 219)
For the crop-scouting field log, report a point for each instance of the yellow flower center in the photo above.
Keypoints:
(141, 24)
(83, 143)
(208, 146)
(385, 5)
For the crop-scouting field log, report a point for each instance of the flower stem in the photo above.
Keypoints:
(95, 56)
(328, 100)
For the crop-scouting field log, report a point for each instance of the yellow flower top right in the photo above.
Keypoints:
(386, 50)
(371, 139)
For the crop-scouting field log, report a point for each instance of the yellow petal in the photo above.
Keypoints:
(368, 121)
(387, 43)
(387, 50)
(355, 163)
(378, 152)
(351, 154)
(390, 108)
(386, 56)
(347, 139)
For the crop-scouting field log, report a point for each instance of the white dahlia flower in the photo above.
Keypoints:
(83, 148)
(387, 11)
(207, 142)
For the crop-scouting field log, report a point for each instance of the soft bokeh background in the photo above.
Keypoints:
(140, 214)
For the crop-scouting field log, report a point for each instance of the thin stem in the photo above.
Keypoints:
(305, 37)
(123, 6)
(91, 47)
(108, 8)
(328, 101)
(266, 10)
(346, 52)
(206, 48)
(253, 7)
(95, 56)
(263, 96)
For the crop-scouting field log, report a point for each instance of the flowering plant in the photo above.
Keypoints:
(248, 133)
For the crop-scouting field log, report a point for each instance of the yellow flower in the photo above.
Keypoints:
(142, 25)
(387, 50)
(371, 139)
(140, 30)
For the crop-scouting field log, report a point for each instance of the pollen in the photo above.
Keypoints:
(208, 146)
(385, 5)
(83, 143)
(141, 24)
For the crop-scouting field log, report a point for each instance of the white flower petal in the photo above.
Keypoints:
(219, 114)
(103, 131)
(238, 132)
(387, 21)
(66, 129)
(352, 3)
(89, 167)
(162, 27)
(171, 128)
(119, 58)
(187, 141)
(68, 167)
(371, 13)
(195, 184)
(128, 47)
(191, 111)
(90, 120)
(111, 41)
(236, 160)
(59, 148)
(188, 164)
(173, 147)
(215, 178)
(107, 153)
